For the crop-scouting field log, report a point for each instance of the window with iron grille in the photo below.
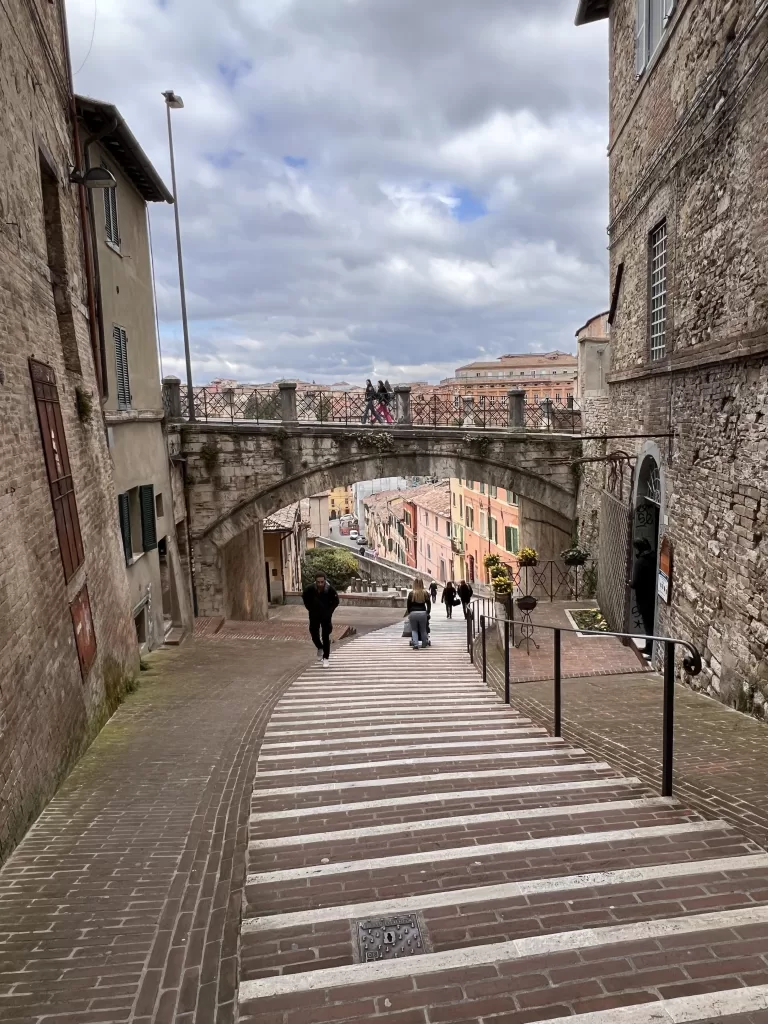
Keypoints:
(121, 367)
(110, 215)
(58, 468)
(658, 286)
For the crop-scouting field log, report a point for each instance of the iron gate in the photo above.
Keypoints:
(612, 585)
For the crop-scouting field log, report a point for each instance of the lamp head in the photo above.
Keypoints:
(174, 102)
(95, 177)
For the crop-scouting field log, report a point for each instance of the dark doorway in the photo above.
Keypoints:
(645, 547)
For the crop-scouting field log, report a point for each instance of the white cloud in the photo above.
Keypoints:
(357, 256)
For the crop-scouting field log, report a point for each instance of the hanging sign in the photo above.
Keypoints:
(664, 585)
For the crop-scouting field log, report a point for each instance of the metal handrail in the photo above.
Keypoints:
(691, 664)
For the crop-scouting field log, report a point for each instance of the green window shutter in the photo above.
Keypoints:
(120, 339)
(148, 523)
(515, 539)
(124, 508)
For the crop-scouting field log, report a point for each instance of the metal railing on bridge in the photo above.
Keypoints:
(461, 407)
(479, 627)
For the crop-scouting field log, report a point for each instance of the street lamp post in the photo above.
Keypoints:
(172, 101)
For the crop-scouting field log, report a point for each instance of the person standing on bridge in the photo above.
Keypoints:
(383, 396)
(321, 601)
(371, 399)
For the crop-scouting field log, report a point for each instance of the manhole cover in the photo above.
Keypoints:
(386, 938)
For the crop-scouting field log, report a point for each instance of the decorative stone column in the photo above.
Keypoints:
(288, 410)
(172, 397)
(516, 410)
(403, 404)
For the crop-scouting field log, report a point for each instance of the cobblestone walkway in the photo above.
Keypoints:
(123, 902)
(394, 791)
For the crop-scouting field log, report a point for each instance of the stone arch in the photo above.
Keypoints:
(251, 510)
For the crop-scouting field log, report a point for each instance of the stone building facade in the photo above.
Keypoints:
(67, 639)
(688, 384)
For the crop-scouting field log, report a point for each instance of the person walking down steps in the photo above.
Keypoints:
(433, 591)
(321, 601)
(418, 607)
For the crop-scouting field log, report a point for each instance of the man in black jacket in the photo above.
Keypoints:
(321, 601)
(465, 592)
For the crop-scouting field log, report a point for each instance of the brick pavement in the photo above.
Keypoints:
(547, 886)
(591, 655)
(619, 718)
(123, 902)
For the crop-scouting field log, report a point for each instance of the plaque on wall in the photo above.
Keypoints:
(665, 570)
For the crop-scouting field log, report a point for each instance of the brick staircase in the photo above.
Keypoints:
(401, 808)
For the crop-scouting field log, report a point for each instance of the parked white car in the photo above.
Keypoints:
(353, 534)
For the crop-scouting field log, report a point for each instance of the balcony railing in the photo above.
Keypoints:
(457, 407)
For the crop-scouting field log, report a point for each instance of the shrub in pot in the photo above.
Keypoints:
(528, 557)
(575, 555)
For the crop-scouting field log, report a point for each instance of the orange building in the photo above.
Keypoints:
(486, 520)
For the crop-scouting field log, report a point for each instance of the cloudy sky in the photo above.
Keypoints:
(367, 187)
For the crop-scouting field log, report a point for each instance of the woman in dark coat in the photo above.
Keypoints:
(449, 596)
(382, 394)
(370, 404)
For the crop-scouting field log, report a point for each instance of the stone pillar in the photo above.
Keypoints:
(172, 397)
(245, 581)
(288, 410)
(516, 410)
(403, 404)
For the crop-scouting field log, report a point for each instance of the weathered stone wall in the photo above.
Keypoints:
(688, 144)
(238, 474)
(592, 475)
(48, 712)
(245, 590)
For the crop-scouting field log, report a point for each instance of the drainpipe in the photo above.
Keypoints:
(87, 250)
(190, 550)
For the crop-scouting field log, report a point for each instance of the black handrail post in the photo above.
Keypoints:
(506, 661)
(469, 637)
(558, 687)
(485, 661)
(668, 727)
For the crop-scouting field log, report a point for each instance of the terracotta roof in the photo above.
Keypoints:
(523, 360)
(432, 497)
(117, 139)
(283, 519)
(382, 499)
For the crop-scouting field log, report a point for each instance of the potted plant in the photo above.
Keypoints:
(502, 589)
(491, 562)
(528, 557)
(575, 555)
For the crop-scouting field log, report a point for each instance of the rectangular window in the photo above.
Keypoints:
(437, 524)
(448, 528)
(57, 466)
(469, 518)
(651, 20)
(121, 367)
(512, 539)
(493, 491)
(429, 551)
(148, 521)
(461, 509)
(482, 488)
(110, 216)
(658, 286)
(493, 530)
(453, 498)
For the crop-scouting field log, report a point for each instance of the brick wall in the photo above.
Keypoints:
(48, 713)
(688, 144)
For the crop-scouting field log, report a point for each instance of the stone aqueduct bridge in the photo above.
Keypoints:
(239, 472)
